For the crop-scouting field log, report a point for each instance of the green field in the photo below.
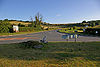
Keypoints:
(55, 54)
(79, 30)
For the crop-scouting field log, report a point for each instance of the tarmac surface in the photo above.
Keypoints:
(50, 36)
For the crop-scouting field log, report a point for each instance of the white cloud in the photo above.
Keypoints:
(64, 22)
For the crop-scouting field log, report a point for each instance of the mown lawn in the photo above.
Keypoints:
(55, 54)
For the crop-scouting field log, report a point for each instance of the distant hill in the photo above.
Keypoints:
(21, 22)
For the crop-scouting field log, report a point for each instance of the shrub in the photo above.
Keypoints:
(71, 28)
(26, 29)
(5, 27)
(31, 44)
(74, 27)
(21, 25)
(92, 31)
(39, 27)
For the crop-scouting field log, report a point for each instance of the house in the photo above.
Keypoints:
(86, 26)
(15, 28)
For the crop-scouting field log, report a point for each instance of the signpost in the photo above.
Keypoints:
(65, 37)
(83, 30)
(71, 36)
(96, 32)
(76, 37)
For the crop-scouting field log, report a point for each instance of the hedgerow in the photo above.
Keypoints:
(26, 29)
(92, 31)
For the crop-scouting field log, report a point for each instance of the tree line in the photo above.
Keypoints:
(6, 27)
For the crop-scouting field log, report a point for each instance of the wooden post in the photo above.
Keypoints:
(67, 40)
(75, 37)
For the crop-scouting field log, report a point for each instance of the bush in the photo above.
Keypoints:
(38, 28)
(31, 44)
(21, 25)
(92, 31)
(74, 27)
(71, 28)
(29, 29)
(5, 27)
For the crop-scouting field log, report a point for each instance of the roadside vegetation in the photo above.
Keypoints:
(72, 30)
(54, 54)
(85, 28)
(6, 26)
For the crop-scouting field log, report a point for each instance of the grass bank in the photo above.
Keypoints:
(19, 33)
(55, 54)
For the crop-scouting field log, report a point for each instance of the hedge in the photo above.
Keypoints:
(26, 29)
(92, 31)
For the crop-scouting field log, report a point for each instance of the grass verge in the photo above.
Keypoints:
(55, 54)
(19, 33)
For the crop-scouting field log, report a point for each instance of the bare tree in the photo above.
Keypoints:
(38, 20)
(32, 19)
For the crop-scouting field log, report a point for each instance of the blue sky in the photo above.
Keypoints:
(53, 11)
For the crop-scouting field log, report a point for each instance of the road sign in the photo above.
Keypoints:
(67, 37)
(71, 36)
(76, 36)
(64, 36)
(96, 32)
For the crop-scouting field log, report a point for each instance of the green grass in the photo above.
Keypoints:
(70, 31)
(55, 54)
(14, 33)
(19, 33)
(80, 32)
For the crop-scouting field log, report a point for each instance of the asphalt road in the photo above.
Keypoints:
(51, 36)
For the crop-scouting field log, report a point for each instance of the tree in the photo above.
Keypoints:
(21, 25)
(5, 27)
(84, 21)
(98, 23)
(5, 19)
(38, 19)
(0, 21)
(93, 24)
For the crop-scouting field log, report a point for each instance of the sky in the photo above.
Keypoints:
(53, 11)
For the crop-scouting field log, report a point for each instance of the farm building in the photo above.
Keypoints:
(15, 28)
